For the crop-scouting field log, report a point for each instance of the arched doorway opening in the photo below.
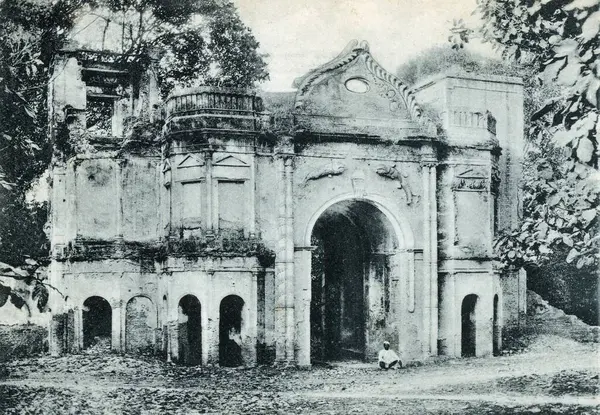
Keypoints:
(350, 280)
(189, 329)
(230, 329)
(468, 326)
(496, 329)
(97, 324)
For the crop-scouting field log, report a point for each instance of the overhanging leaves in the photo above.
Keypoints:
(4, 294)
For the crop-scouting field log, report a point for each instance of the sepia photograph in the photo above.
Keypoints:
(300, 207)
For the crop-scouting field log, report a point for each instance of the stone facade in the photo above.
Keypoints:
(202, 229)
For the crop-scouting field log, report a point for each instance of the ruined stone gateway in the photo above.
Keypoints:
(209, 230)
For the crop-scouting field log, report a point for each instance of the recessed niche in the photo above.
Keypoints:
(357, 85)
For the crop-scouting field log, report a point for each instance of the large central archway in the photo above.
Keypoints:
(350, 279)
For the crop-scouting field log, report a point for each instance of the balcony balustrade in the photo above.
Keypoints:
(213, 109)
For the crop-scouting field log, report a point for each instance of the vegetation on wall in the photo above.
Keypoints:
(561, 41)
(557, 46)
(194, 41)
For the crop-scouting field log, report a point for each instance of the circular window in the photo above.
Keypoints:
(357, 85)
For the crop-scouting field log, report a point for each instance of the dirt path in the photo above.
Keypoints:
(522, 400)
(560, 377)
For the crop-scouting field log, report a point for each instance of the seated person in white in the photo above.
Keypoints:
(388, 358)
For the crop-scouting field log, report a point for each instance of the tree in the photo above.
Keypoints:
(29, 32)
(200, 42)
(561, 39)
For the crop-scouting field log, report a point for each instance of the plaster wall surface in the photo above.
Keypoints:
(503, 97)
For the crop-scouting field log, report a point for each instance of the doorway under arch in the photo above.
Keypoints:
(97, 323)
(468, 326)
(189, 329)
(230, 329)
(353, 242)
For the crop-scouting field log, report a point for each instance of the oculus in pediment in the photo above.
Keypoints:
(354, 85)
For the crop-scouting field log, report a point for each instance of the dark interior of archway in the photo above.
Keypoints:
(339, 264)
(468, 319)
(97, 323)
(230, 328)
(496, 329)
(190, 331)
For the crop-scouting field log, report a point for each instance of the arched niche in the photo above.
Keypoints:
(140, 325)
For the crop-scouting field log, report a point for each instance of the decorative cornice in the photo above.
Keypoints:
(348, 55)
(391, 87)
(397, 89)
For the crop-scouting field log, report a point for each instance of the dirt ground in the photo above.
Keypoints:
(552, 376)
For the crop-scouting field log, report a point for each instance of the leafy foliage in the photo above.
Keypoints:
(563, 285)
(196, 42)
(562, 40)
(561, 210)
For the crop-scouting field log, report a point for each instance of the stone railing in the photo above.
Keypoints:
(469, 118)
(212, 108)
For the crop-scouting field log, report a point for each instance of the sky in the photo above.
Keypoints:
(299, 35)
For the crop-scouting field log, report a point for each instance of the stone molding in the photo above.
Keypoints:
(390, 87)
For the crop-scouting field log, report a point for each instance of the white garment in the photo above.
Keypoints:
(387, 356)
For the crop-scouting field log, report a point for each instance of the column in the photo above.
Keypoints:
(289, 259)
(434, 258)
(119, 184)
(252, 324)
(209, 192)
(447, 315)
(302, 259)
(72, 229)
(118, 326)
(426, 315)
(252, 198)
(210, 337)
(280, 266)
(78, 329)
(173, 339)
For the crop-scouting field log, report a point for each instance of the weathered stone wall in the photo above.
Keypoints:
(503, 97)
(21, 340)
(326, 174)
(140, 325)
(463, 101)
(211, 280)
(116, 281)
(97, 202)
(140, 199)
(205, 218)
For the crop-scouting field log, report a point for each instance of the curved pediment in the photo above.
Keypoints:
(353, 94)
